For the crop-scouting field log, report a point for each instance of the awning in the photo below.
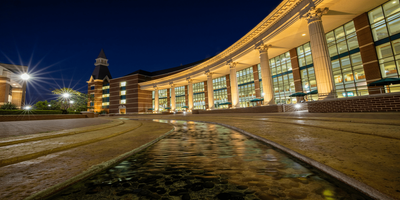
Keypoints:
(385, 81)
(185, 106)
(298, 94)
(255, 100)
(167, 108)
(313, 92)
(225, 103)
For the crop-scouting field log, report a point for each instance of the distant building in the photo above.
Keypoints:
(328, 49)
(12, 87)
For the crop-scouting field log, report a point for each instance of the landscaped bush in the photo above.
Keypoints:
(8, 106)
(29, 112)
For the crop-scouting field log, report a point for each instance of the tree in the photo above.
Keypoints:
(70, 99)
(42, 105)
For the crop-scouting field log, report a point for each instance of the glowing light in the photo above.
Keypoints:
(49, 105)
(71, 101)
(25, 76)
(184, 112)
(263, 93)
(297, 106)
(303, 34)
(27, 107)
(66, 95)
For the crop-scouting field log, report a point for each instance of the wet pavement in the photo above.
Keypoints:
(207, 161)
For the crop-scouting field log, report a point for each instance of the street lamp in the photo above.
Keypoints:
(66, 95)
(25, 76)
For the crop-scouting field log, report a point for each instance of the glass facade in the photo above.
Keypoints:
(385, 20)
(198, 87)
(219, 83)
(282, 79)
(153, 93)
(246, 87)
(347, 68)
(198, 96)
(199, 101)
(162, 100)
(220, 97)
(180, 99)
(307, 74)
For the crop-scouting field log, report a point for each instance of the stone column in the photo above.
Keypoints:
(190, 93)
(210, 90)
(155, 98)
(234, 84)
(17, 97)
(266, 77)
(173, 101)
(320, 53)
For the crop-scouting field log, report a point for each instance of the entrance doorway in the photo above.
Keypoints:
(122, 110)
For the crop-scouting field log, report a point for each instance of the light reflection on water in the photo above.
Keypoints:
(207, 161)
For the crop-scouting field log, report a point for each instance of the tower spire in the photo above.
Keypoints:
(102, 54)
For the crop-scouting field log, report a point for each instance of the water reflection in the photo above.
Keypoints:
(207, 161)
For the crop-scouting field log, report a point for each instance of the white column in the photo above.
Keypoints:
(155, 99)
(210, 90)
(320, 53)
(190, 93)
(173, 101)
(234, 85)
(268, 87)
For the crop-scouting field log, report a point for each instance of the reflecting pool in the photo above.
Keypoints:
(207, 161)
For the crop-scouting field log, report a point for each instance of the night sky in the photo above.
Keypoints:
(59, 40)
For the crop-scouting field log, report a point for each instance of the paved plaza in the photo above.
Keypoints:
(363, 146)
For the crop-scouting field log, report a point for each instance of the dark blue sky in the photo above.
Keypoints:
(60, 39)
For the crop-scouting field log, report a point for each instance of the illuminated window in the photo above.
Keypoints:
(199, 100)
(198, 87)
(220, 97)
(246, 88)
(122, 84)
(179, 91)
(385, 20)
(123, 101)
(219, 83)
(123, 92)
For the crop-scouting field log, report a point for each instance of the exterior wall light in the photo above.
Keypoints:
(297, 106)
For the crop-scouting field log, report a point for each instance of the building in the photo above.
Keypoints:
(326, 48)
(12, 87)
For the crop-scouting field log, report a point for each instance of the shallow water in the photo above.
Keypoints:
(207, 161)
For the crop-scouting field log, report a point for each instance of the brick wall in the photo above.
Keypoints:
(373, 103)
(294, 107)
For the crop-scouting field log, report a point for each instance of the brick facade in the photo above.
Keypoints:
(296, 73)
(368, 52)
(228, 89)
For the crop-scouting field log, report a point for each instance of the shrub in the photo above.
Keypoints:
(8, 106)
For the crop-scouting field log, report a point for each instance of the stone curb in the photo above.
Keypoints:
(18, 159)
(57, 135)
(360, 186)
(92, 170)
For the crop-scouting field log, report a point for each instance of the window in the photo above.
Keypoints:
(245, 76)
(180, 102)
(198, 87)
(342, 39)
(123, 92)
(91, 104)
(389, 58)
(199, 101)
(180, 91)
(92, 87)
(304, 55)
(246, 93)
(385, 20)
(219, 83)
(283, 83)
(122, 84)
(106, 95)
(162, 100)
(220, 97)
(123, 101)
